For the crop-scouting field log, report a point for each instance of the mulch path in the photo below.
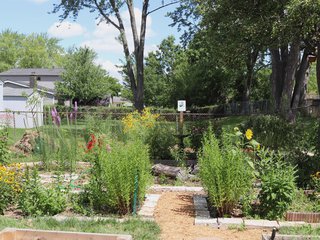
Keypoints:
(175, 215)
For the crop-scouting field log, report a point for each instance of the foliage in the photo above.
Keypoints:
(274, 132)
(37, 200)
(28, 51)
(138, 124)
(116, 167)
(224, 171)
(277, 188)
(303, 203)
(4, 150)
(300, 230)
(83, 80)
(110, 12)
(160, 139)
(315, 181)
(10, 184)
(159, 74)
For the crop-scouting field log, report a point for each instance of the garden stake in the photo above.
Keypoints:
(135, 195)
(273, 235)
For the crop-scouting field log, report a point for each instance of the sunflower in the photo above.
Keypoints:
(249, 134)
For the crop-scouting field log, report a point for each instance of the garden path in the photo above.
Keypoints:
(175, 215)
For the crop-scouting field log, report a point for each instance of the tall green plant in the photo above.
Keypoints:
(224, 172)
(115, 169)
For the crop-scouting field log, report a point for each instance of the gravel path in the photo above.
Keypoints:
(175, 215)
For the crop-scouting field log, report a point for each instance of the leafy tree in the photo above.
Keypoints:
(109, 11)
(28, 51)
(159, 70)
(83, 80)
(244, 30)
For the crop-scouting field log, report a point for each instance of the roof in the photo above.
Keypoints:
(116, 99)
(17, 92)
(20, 91)
(33, 71)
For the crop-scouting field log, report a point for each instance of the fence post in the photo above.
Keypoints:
(14, 124)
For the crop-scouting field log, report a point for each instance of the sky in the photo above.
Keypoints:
(33, 16)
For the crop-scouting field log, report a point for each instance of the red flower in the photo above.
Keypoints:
(91, 143)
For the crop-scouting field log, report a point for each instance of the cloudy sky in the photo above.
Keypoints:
(32, 16)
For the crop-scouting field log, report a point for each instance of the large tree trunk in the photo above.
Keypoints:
(318, 67)
(278, 64)
(250, 63)
(302, 78)
(289, 79)
(139, 42)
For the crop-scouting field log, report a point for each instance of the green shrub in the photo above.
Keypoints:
(37, 200)
(224, 172)
(274, 132)
(4, 150)
(277, 188)
(160, 139)
(114, 172)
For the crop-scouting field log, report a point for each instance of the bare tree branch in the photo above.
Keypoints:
(105, 16)
(163, 6)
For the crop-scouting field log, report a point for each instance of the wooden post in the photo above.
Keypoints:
(14, 124)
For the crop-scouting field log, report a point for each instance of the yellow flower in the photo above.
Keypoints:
(317, 174)
(249, 134)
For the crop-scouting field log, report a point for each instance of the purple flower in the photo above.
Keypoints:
(73, 115)
(55, 117)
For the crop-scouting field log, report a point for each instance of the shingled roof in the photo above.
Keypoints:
(33, 71)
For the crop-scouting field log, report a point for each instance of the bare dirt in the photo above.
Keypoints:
(175, 215)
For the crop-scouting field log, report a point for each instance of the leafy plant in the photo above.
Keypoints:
(277, 188)
(36, 200)
(119, 171)
(10, 184)
(160, 139)
(4, 150)
(224, 172)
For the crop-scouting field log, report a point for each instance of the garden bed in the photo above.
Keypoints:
(31, 234)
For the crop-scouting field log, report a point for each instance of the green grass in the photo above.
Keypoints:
(301, 230)
(137, 228)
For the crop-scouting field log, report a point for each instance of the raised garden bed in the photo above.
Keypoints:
(30, 234)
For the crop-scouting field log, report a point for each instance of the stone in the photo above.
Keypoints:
(260, 223)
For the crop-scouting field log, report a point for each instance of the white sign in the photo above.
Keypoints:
(182, 106)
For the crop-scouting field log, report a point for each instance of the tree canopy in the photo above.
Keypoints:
(83, 80)
(28, 51)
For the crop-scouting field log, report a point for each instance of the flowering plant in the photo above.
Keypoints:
(245, 140)
(10, 184)
(138, 124)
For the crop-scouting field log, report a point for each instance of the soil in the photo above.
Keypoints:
(175, 215)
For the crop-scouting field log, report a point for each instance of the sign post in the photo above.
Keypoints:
(181, 109)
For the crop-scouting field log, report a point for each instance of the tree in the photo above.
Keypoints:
(159, 70)
(286, 29)
(28, 51)
(109, 11)
(83, 80)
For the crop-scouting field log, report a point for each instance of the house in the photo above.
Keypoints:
(44, 78)
(22, 106)
(26, 90)
(119, 102)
